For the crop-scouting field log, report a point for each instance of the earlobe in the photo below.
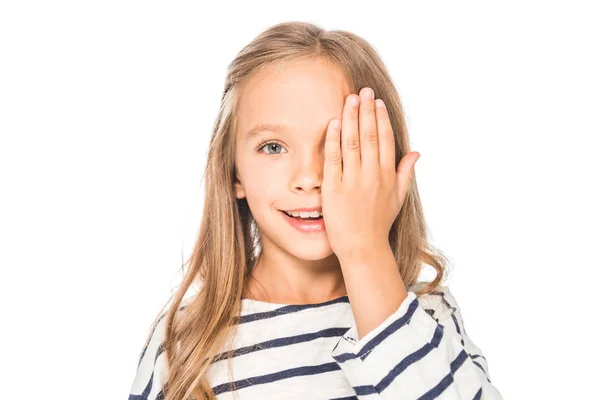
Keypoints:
(239, 190)
(240, 193)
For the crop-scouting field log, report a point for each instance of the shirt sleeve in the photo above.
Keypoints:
(421, 351)
(152, 366)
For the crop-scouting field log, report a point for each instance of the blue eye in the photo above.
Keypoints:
(266, 144)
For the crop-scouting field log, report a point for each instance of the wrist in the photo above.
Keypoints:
(365, 254)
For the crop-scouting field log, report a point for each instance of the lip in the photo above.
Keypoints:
(305, 226)
(307, 209)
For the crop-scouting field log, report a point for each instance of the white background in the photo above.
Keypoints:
(105, 113)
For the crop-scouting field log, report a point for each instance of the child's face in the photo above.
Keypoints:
(285, 175)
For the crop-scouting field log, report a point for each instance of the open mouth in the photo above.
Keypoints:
(303, 219)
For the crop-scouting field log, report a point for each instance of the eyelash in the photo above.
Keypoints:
(264, 143)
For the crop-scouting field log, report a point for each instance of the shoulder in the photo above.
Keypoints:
(155, 338)
(153, 346)
(151, 367)
(152, 363)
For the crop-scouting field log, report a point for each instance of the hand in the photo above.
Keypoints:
(361, 201)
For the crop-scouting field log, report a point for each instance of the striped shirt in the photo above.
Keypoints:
(312, 351)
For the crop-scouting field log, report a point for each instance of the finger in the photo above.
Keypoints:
(369, 141)
(406, 169)
(332, 169)
(387, 143)
(350, 139)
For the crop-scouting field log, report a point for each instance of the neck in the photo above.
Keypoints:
(288, 280)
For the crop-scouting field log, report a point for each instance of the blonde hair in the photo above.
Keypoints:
(228, 243)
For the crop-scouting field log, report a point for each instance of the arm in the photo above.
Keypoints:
(151, 371)
(419, 351)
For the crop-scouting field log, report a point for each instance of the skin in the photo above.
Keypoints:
(360, 201)
(295, 268)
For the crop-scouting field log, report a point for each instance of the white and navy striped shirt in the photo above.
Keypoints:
(312, 351)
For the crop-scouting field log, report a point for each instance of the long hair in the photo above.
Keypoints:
(228, 243)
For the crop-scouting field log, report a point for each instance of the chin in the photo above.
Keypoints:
(315, 252)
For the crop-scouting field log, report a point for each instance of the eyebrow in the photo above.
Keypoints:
(266, 127)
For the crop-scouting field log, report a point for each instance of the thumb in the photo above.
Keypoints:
(405, 173)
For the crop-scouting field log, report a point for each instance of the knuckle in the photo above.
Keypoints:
(372, 136)
(376, 181)
(353, 143)
(334, 157)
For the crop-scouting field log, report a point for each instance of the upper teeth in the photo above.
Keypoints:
(302, 214)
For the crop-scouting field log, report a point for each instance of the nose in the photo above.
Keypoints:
(308, 174)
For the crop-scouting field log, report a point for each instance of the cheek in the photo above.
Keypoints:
(267, 185)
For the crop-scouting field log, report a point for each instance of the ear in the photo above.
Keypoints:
(240, 193)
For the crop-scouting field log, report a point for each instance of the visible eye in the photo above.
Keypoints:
(268, 144)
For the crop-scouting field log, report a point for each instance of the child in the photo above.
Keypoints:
(322, 304)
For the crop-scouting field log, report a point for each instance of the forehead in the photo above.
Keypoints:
(300, 94)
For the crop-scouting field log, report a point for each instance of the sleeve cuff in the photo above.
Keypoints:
(409, 311)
